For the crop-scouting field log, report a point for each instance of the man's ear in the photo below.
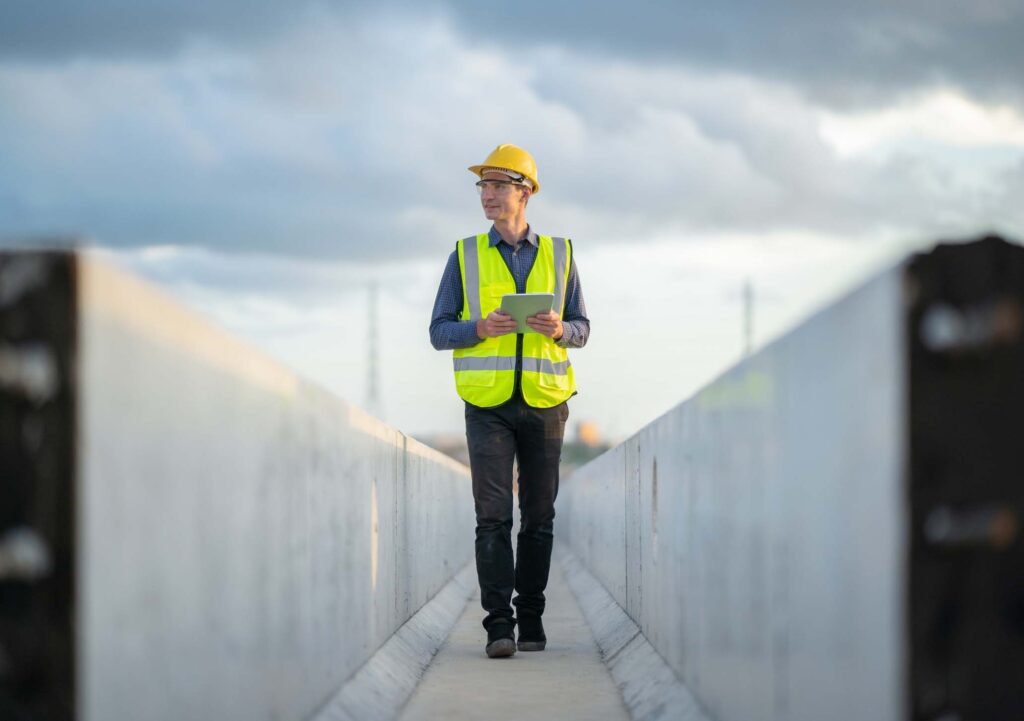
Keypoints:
(526, 196)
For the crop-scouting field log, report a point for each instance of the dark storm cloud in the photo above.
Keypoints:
(59, 30)
(840, 52)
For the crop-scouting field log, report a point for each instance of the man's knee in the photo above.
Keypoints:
(491, 522)
(540, 526)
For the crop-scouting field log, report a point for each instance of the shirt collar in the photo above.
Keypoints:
(494, 237)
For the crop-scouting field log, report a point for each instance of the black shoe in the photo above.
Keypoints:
(500, 640)
(531, 634)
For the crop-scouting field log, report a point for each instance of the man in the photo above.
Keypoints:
(515, 387)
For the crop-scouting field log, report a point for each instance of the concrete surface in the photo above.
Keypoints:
(650, 688)
(567, 681)
(381, 687)
(245, 540)
(756, 533)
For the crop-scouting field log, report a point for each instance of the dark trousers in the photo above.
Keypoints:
(496, 436)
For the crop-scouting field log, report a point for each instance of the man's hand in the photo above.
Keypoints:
(497, 323)
(549, 324)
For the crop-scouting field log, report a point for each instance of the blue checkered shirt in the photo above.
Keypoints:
(447, 332)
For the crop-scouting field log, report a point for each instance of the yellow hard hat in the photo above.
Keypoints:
(511, 158)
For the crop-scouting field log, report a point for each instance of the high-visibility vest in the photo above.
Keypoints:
(485, 373)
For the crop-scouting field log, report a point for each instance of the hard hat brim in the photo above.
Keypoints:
(478, 170)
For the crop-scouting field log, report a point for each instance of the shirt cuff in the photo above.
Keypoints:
(567, 335)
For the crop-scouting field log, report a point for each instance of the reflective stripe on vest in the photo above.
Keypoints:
(505, 363)
(485, 372)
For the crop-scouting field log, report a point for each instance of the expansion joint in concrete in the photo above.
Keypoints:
(650, 688)
(610, 659)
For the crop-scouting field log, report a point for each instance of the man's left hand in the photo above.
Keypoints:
(549, 324)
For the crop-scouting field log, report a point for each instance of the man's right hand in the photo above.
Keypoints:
(497, 323)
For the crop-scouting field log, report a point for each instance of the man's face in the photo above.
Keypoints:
(501, 201)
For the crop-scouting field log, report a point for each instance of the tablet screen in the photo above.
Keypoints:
(522, 305)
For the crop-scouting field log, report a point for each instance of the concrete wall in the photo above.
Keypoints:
(754, 532)
(246, 541)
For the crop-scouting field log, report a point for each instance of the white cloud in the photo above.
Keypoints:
(942, 116)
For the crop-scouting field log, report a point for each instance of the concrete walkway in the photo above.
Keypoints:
(567, 681)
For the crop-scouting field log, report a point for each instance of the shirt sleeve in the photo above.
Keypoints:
(447, 332)
(575, 324)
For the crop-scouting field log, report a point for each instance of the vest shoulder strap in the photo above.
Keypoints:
(562, 248)
(470, 272)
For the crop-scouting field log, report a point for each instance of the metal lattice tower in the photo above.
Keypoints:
(748, 317)
(373, 401)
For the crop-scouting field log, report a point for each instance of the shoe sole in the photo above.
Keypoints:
(501, 648)
(532, 645)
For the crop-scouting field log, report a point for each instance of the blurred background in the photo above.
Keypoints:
(296, 171)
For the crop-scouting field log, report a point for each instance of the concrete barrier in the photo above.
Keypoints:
(240, 541)
(829, 530)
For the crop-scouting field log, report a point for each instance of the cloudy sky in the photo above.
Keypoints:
(263, 160)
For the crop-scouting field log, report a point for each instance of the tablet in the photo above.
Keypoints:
(522, 305)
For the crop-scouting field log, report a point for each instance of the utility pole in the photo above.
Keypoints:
(748, 317)
(373, 402)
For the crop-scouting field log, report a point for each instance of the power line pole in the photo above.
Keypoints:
(373, 402)
(748, 317)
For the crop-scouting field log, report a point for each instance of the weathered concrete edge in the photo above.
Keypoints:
(649, 687)
(381, 687)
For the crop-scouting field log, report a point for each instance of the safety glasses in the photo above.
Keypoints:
(498, 186)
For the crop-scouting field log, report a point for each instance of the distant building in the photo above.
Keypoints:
(586, 446)
(588, 434)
